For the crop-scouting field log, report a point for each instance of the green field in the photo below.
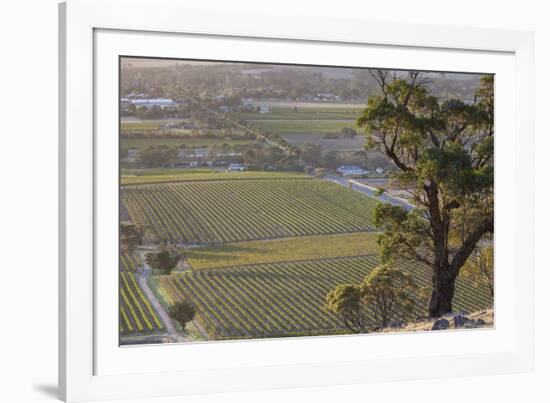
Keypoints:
(286, 299)
(188, 142)
(310, 124)
(220, 211)
(290, 127)
(282, 250)
(309, 113)
(136, 313)
(148, 125)
(312, 120)
(147, 176)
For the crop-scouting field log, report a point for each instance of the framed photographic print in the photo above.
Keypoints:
(243, 208)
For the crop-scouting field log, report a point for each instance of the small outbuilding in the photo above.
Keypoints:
(236, 168)
(350, 170)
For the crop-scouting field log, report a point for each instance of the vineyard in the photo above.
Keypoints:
(136, 313)
(262, 252)
(213, 212)
(282, 250)
(286, 299)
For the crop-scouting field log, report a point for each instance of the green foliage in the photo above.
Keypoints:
(385, 295)
(310, 152)
(347, 302)
(182, 312)
(480, 268)
(131, 236)
(348, 132)
(405, 234)
(390, 294)
(165, 260)
(444, 152)
(157, 156)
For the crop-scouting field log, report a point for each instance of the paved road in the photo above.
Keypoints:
(364, 189)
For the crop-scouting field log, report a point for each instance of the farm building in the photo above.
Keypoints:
(265, 109)
(348, 170)
(236, 167)
(152, 102)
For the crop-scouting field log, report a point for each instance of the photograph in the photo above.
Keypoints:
(291, 201)
(266, 200)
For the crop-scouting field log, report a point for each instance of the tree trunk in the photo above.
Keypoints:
(445, 273)
(441, 301)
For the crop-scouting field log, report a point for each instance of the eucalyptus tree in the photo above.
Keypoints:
(443, 152)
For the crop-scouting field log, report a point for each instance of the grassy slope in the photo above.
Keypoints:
(282, 250)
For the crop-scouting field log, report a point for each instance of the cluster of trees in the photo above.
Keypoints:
(444, 155)
(313, 154)
(443, 151)
(165, 260)
(234, 81)
(131, 236)
(268, 81)
(268, 158)
(182, 312)
(386, 295)
(156, 112)
(157, 156)
(344, 133)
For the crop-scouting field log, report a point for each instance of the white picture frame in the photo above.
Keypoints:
(92, 366)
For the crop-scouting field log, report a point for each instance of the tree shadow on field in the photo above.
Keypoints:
(48, 390)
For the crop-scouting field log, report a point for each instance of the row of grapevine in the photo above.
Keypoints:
(238, 210)
(136, 313)
(285, 299)
(129, 262)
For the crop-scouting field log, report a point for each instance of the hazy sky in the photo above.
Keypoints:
(134, 62)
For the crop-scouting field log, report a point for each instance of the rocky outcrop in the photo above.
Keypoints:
(457, 320)
(440, 324)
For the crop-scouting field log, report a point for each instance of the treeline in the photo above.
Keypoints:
(236, 81)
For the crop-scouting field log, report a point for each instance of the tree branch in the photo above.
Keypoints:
(469, 244)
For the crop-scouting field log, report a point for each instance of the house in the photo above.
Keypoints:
(349, 170)
(236, 168)
(265, 109)
(379, 171)
(152, 102)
